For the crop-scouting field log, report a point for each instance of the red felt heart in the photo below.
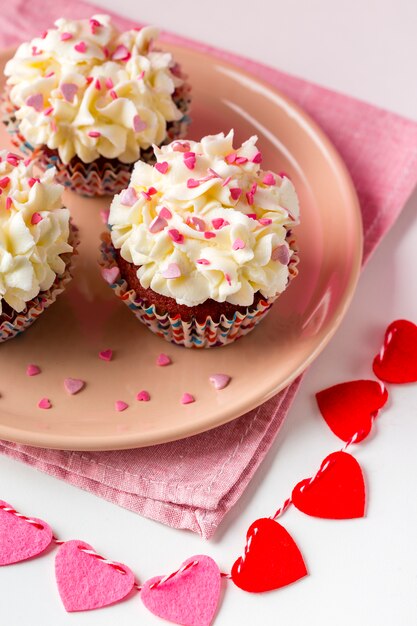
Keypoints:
(87, 581)
(337, 492)
(397, 360)
(350, 408)
(21, 538)
(272, 558)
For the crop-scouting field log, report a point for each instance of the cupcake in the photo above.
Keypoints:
(200, 244)
(36, 244)
(91, 101)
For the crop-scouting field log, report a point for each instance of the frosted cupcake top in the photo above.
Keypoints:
(34, 231)
(86, 89)
(206, 222)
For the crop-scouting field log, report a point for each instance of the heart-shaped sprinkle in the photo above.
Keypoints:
(219, 381)
(104, 216)
(143, 396)
(176, 236)
(268, 179)
(110, 274)
(218, 222)
(33, 370)
(121, 53)
(188, 597)
(172, 271)
(181, 146)
(162, 168)
(187, 398)
(198, 223)
(281, 253)
(109, 83)
(4, 182)
(209, 235)
(106, 355)
(157, 224)
(257, 158)
(265, 221)
(397, 360)
(203, 262)
(69, 90)
(192, 183)
(231, 158)
(128, 197)
(272, 558)
(350, 408)
(238, 244)
(94, 134)
(337, 491)
(163, 359)
(44, 403)
(138, 124)
(36, 218)
(87, 581)
(65, 36)
(119, 405)
(81, 47)
(165, 213)
(240, 160)
(235, 192)
(73, 385)
(189, 160)
(21, 538)
(35, 101)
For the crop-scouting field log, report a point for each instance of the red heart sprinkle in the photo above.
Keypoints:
(272, 558)
(337, 490)
(350, 408)
(397, 360)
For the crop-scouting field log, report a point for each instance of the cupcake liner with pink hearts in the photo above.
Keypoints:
(189, 334)
(21, 321)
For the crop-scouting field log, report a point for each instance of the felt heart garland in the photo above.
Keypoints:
(350, 408)
(271, 559)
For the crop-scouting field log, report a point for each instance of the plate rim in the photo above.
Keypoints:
(134, 440)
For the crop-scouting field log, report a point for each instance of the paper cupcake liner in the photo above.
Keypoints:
(100, 177)
(36, 306)
(190, 334)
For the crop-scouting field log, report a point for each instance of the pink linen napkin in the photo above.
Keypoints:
(193, 483)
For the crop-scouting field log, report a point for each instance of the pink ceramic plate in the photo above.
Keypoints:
(66, 340)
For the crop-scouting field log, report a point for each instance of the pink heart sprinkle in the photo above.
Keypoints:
(235, 192)
(218, 222)
(13, 159)
(66, 36)
(172, 271)
(109, 83)
(252, 216)
(143, 396)
(228, 279)
(44, 403)
(157, 224)
(128, 197)
(241, 160)
(106, 355)
(265, 221)
(73, 385)
(281, 254)
(20, 539)
(35, 101)
(110, 274)
(176, 236)
(187, 398)
(189, 160)
(192, 183)
(87, 581)
(97, 84)
(33, 370)
(198, 223)
(4, 182)
(238, 244)
(94, 134)
(257, 158)
(181, 146)
(36, 218)
(284, 175)
(190, 597)
(121, 53)
(165, 213)
(162, 168)
(163, 359)
(138, 124)
(268, 179)
(104, 216)
(119, 405)
(8, 203)
(81, 47)
(69, 90)
(220, 381)
(209, 235)
(231, 158)
(203, 261)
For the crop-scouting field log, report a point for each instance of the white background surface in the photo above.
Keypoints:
(362, 572)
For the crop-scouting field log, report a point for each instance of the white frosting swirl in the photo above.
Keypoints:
(34, 231)
(206, 222)
(85, 89)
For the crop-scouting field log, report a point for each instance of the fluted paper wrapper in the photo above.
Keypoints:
(190, 334)
(21, 321)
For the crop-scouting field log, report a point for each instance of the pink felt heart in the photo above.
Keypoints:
(110, 274)
(190, 597)
(73, 385)
(21, 539)
(87, 581)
